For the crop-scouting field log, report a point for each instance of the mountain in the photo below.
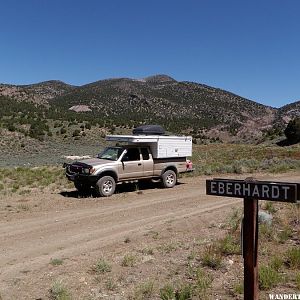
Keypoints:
(288, 112)
(38, 93)
(178, 106)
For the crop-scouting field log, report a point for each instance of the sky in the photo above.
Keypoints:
(250, 48)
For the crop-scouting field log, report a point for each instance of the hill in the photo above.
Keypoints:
(39, 93)
(186, 107)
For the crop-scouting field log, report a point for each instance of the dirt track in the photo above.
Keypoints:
(36, 228)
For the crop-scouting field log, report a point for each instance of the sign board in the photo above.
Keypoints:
(252, 191)
(262, 190)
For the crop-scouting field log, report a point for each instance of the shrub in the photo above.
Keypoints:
(167, 292)
(76, 132)
(203, 283)
(102, 266)
(63, 130)
(276, 263)
(129, 260)
(238, 288)
(185, 292)
(11, 127)
(56, 261)
(59, 292)
(212, 257)
(293, 258)
(292, 131)
(268, 278)
(284, 235)
(229, 245)
(266, 232)
(144, 291)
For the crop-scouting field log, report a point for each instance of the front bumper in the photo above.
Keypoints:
(73, 176)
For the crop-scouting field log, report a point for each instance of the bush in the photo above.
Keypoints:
(293, 258)
(129, 260)
(292, 131)
(212, 257)
(144, 291)
(167, 292)
(76, 132)
(59, 292)
(229, 245)
(102, 266)
(63, 130)
(11, 128)
(268, 278)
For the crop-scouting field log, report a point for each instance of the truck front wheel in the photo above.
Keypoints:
(169, 179)
(105, 186)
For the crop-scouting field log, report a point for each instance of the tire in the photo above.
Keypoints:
(169, 179)
(105, 186)
(82, 187)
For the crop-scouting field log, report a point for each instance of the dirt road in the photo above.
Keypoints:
(37, 228)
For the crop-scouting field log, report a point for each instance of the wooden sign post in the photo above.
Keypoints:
(252, 191)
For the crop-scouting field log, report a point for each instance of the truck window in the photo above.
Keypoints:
(132, 154)
(145, 153)
(110, 153)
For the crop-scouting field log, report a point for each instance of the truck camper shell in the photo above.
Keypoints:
(162, 146)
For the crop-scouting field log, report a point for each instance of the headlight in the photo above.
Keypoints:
(86, 171)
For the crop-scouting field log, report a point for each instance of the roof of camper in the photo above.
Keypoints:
(144, 138)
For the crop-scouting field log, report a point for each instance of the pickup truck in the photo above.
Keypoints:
(124, 164)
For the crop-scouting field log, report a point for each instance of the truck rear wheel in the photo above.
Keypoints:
(105, 186)
(169, 179)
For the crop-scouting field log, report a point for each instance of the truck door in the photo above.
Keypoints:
(147, 161)
(132, 165)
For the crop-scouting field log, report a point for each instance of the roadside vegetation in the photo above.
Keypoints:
(240, 158)
(196, 267)
(207, 160)
(22, 180)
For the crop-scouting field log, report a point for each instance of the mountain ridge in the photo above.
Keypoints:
(178, 105)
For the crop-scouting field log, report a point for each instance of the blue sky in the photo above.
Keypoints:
(251, 48)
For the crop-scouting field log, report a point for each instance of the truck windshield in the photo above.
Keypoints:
(110, 153)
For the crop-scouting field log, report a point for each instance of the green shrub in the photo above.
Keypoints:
(59, 292)
(234, 221)
(102, 266)
(266, 232)
(293, 258)
(284, 235)
(203, 283)
(184, 292)
(76, 133)
(269, 207)
(129, 260)
(276, 263)
(268, 278)
(144, 291)
(238, 288)
(229, 245)
(292, 131)
(167, 292)
(56, 261)
(212, 257)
